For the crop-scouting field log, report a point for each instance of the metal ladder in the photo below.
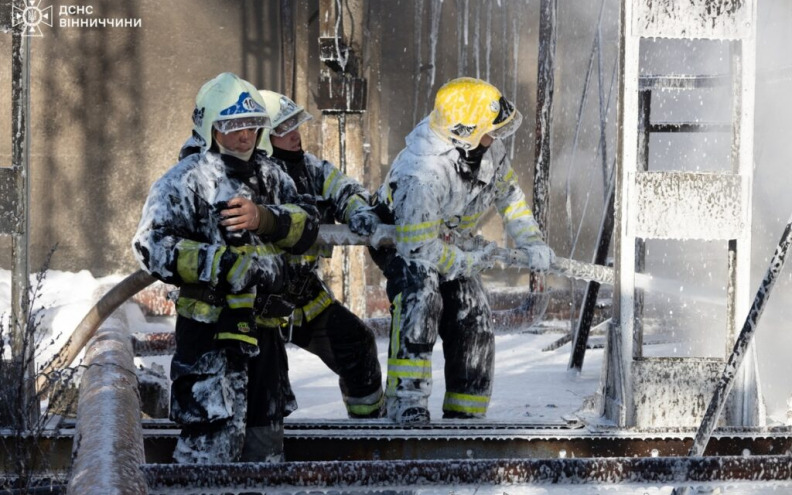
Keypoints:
(678, 205)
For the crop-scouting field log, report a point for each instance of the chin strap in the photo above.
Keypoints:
(244, 156)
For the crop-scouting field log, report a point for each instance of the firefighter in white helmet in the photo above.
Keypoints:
(195, 233)
(453, 169)
(322, 325)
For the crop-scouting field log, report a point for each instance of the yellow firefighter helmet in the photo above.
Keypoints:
(466, 109)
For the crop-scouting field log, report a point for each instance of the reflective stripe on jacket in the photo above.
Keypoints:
(426, 189)
(179, 231)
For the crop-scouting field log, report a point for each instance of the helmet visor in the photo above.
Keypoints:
(291, 124)
(231, 125)
(507, 130)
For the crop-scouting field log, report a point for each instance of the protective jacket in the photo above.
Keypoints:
(433, 285)
(429, 188)
(322, 325)
(178, 232)
(337, 197)
(180, 224)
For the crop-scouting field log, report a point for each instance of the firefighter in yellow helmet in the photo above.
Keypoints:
(453, 169)
(196, 233)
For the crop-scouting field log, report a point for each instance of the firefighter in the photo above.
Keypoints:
(195, 233)
(322, 325)
(454, 167)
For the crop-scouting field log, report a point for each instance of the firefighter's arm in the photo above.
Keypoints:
(346, 194)
(165, 244)
(230, 268)
(513, 208)
(292, 227)
(297, 226)
(520, 223)
(160, 229)
(418, 223)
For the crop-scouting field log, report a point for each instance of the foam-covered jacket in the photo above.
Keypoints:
(337, 197)
(180, 224)
(428, 189)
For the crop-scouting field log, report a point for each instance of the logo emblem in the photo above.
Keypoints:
(30, 15)
(494, 106)
(244, 104)
(285, 107)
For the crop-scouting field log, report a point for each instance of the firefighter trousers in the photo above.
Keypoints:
(348, 347)
(270, 399)
(217, 396)
(423, 307)
(208, 396)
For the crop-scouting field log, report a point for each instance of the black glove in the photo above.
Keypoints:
(234, 269)
(237, 332)
(364, 221)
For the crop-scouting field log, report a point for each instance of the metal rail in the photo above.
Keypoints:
(358, 474)
(348, 440)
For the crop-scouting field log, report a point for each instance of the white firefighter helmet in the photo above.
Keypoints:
(229, 103)
(466, 109)
(285, 114)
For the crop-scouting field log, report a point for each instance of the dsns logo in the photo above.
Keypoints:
(244, 104)
(30, 15)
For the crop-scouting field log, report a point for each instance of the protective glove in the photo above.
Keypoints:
(238, 268)
(482, 258)
(540, 256)
(364, 221)
(237, 332)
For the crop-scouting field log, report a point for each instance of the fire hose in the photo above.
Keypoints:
(385, 235)
(334, 235)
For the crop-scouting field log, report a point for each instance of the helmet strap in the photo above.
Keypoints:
(244, 156)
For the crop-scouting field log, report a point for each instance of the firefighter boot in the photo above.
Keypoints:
(371, 406)
(408, 412)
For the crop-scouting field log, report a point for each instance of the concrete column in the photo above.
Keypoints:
(342, 98)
